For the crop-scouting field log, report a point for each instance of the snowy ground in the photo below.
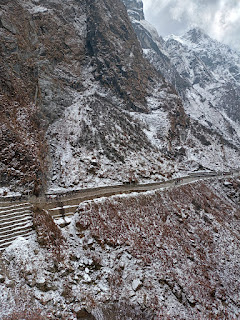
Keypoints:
(170, 253)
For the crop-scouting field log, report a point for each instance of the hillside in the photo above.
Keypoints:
(168, 253)
(204, 72)
(91, 96)
(87, 90)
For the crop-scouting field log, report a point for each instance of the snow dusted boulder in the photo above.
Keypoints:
(136, 284)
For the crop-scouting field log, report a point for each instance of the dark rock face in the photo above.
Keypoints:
(116, 53)
(135, 9)
(59, 52)
(154, 45)
(22, 141)
(84, 315)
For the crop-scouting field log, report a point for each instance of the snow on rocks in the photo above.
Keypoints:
(112, 256)
(136, 284)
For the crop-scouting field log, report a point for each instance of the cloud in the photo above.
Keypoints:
(219, 18)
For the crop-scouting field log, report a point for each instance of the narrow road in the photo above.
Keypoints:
(16, 216)
(65, 205)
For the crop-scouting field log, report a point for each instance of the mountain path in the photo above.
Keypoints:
(16, 216)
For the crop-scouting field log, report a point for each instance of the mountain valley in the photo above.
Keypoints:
(91, 97)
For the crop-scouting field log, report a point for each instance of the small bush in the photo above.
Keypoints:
(25, 315)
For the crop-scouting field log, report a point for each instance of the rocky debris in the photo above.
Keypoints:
(136, 259)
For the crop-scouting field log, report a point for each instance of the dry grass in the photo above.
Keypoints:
(49, 234)
(24, 307)
(25, 315)
(173, 228)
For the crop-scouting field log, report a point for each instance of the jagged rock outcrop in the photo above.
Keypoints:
(153, 46)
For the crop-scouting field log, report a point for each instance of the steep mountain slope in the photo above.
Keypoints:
(96, 111)
(165, 254)
(213, 70)
(153, 46)
(86, 77)
(209, 86)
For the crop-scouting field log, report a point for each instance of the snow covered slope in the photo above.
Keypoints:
(95, 110)
(212, 68)
(164, 254)
(205, 73)
(92, 91)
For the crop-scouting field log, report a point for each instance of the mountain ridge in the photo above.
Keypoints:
(186, 69)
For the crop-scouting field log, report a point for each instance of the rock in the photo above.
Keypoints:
(90, 242)
(84, 314)
(6, 23)
(191, 300)
(2, 278)
(136, 284)
(103, 287)
(87, 278)
(41, 284)
(9, 283)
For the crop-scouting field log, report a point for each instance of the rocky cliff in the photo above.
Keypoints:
(81, 106)
(96, 111)
(81, 71)
(211, 67)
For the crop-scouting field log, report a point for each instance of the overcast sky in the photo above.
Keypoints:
(219, 18)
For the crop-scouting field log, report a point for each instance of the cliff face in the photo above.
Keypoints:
(81, 107)
(96, 111)
(22, 139)
(115, 53)
(84, 85)
(153, 46)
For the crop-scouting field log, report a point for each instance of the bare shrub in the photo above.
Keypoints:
(169, 226)
(22, 307)
(25, 315)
